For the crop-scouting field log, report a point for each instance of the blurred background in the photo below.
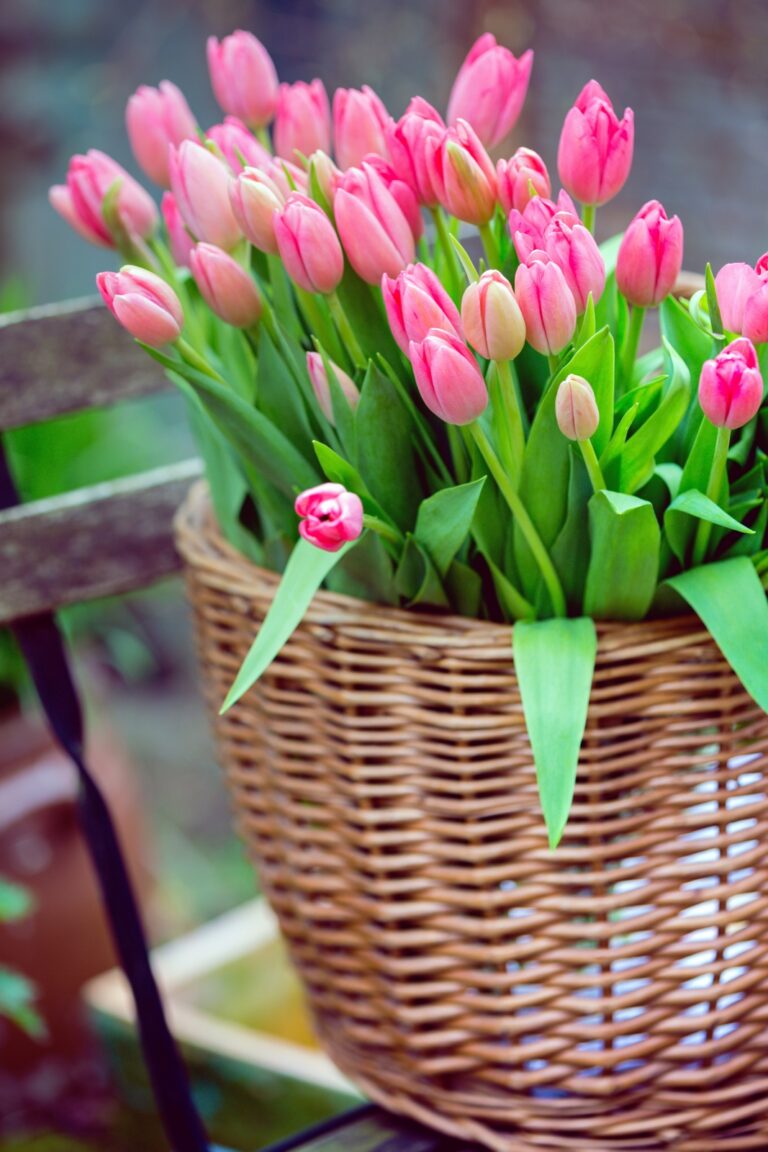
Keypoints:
(693, 70)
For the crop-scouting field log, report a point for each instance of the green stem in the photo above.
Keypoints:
(588, 217)
(262, 135)
(320, 323)
(458, 454)
(386, 531)
(593, 467)
(554, 364)
(449, 252)
(524, 522)
(637, 316)
(345, 331)
(490, 247)
(513, 415)
(195, 360)
(714, 486)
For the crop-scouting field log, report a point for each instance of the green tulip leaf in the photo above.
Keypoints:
(444, 521)
(416, 579)
(639, 456)
(624, 561)
(386, 452)
(695, 504)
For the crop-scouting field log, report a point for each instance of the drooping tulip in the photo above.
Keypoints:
(144, 304)
(200, 185)
(448, 377)
(330, 516)
(574, 249)
(376, 235)
(308, 245)
(490, 89)
(521, 178)
(492, 319)
(462, 174)
(407, 141)
(226, 287)
(81, 200)
(547, 305)
(322, 388)
(595, 151)
(730, 386)
(302, 120)
(650, 256)
(155, 118)
(359, 125)
(255, 198)
(238, 145)
(416, 302)
(243, 77)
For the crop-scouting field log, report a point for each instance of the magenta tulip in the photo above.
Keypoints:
(491, 316)
(200, 185)
(521, 178)
(462, 174)
(375, 232)
(650, 256)
(308, 245)
(238, 145)
(448, 377)
(243, 77)
(155, 118)
(302, 120)
(574, 249)
(490, 89)
(228, 290)
(407, 144)
(547, 305)
(416, 302)
(255, 198)
(180, 241)
(144, 304)
(321, 386)
(359, 125)
(81, 200)
(595, 152)
(731, 387)
(331, 516)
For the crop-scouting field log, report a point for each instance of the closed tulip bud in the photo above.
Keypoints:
(742, 294)
(255, 198)
(375, 232)
(756, 315)
(463, 175)
(226, 287)
(448, 378)
(322, 389)
(731, 387)
(650, 256)
(144, 304)
(576, 409)
(243, 77)
(359, 125)
(403, 194)
(416, 302)
(331, 516)
(238, 145)
(527, 228)
(521, 178)
(574, 249)
(180, 241)
(155, 118)
(490, 89)
(595, 152)
(308, 245)
(302, 120)
(325, 172)
(200, 185)
(81, 200)
(491, 316)
(547, 305)
(407, 142)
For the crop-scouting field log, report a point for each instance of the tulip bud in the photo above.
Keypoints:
(255, 198)
(527, 228)
(650, 256)
(375, 233)
(243, 77)
(302, 120)
(227, 289)
(417, 302)
(331, 516)
(200, 185)
(576, 409)
(238, 145)
(463, 175)
(179, 239)
(144, 304)
(321, 386)
(493, 322)
(155, 118)
(574, 249)
(407, 144)
(359, 125)
(756, 315)
(520, 179)
(490, 89)
(308, 245)
(81, 200)
(547, 305)
(403, 194)
(731, 387)
(448, 377)
(325, 173)
(595, 152)
(742, 294)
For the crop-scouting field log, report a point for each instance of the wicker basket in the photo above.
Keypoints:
(611, 995)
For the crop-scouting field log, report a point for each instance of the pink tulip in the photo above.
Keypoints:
(200, 185)
(650, 256)
(144, 304)
(520, 179)
(448, 377)
(547, 305)
(490, 89)
(576, 408)
(155, 118)
(756, 315)
(81, 200)
(228, 290)
(762, 266)
(325, 172)
(731, 387)
(243, 77)
(375, 233)
(595, 152)
(742, 294)
(321, 386)
(238, 145)
(527, 228)
(179, 239)
(407, 144)
(359, 125)
(331, 516)
(403, 193)
(308, 245)
(491, 316)
(302, 120)
(574, 249)
(255, 198)
(416, 302)
(463, 175)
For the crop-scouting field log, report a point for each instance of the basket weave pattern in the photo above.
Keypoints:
(610, 995)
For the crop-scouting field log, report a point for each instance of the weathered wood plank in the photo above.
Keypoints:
(99, 541)
(62, 358)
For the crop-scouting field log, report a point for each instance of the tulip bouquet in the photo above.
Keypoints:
(415, 373)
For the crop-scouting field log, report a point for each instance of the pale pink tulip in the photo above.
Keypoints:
(448, 377)
(303, 120)
(521, 178)
(416, 302)
(81, 200)
(403, 193)
(574, 249)
(200, 185)
(155, 118)
(243, 77)
(238, 145)
(491, 317)
(144, 304)
(547, 305)
(359, 125)
(742, 294)
(228, 290)
(462, 174)
(322, 388)
(308, 245)
(407, 145)
(255, 198)
(376, 235)
(179, 239)
(490, 89)
(576, 408)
